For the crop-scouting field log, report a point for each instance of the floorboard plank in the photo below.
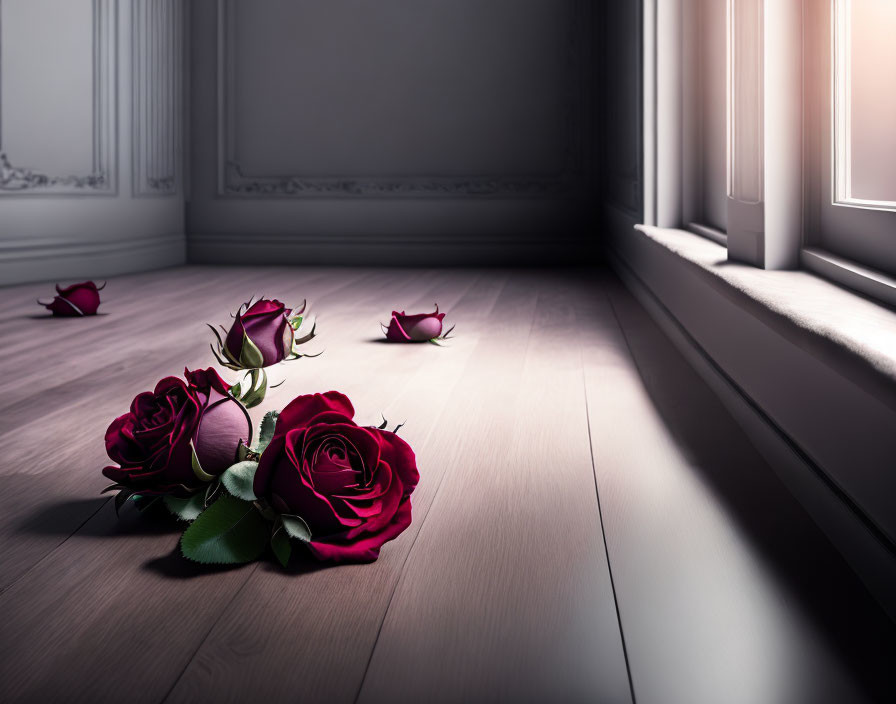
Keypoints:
(506, 595)
(310, 637)
(79, 600)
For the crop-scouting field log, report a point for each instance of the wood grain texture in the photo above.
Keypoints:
(727, 590)
(500, 590)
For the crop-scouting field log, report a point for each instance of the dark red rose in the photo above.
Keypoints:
(351, 485)
(75, 301)
(261, 336)
(421, 327)
(154, 443)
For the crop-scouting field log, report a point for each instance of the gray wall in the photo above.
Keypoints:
(343, 132)
(619, 56)
(91, 182)
(347, 131)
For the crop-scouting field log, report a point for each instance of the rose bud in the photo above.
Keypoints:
(75, 301)
(261, 335)
(350, 485)
(421, 327)
(178, 437)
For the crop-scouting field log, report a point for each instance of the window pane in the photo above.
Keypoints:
(714, 122)
(872, 100)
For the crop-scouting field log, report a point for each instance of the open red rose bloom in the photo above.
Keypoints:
(351, 485)
(155, 442)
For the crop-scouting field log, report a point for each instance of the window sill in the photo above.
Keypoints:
(840, 325)
(862, 279)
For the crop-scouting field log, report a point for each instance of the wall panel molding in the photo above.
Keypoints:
(64, 259)
(234, 182)
(100, 178)
(157, 68)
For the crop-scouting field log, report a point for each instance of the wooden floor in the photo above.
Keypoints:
(590, 525)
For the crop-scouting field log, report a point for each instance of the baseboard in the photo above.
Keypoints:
(22, 261)
(392, 250)
(869, 557)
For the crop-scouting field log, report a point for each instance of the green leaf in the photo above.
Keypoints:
(229, 532)
(296, 527)
(186, 509)
(250, 356)
(266, 430)
(238, 479)
(281, 546)
(295, 322)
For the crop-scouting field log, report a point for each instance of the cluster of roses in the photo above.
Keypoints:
(309, 475)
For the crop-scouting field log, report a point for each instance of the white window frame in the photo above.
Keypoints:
(849, 240)
(779, 231)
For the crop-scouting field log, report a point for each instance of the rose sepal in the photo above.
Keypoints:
(294, 353)
(250, 356)
(296, 527)
(250, 392)
(281, 546)
(221, 353)
(200, 473)
(441, 338)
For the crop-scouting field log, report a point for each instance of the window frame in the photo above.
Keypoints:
(784, 230)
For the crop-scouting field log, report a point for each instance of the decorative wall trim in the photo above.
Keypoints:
(389, 250)
(18, 179)
(234, 182)
(157, 69)
(41, 260)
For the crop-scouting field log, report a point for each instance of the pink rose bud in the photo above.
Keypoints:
(260, 336)
(178, 437)
(75, 301)
(421, 327)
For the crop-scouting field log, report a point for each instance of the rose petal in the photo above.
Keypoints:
(400, 457)
(303, 409)
(367, 549)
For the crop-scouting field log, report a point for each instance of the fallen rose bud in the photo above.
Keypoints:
(262, 334)
(76, 300)
(177, 438)
(421, 327)
(343, 489)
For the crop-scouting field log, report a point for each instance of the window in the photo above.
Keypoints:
(785, 116)
(850, 132)
(704, 88)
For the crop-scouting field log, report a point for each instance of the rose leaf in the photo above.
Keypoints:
(281, 547)
(238, 480)
(296, 527)
(186, 509)
(266, 430)
(228, 532)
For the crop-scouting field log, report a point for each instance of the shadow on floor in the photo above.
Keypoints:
(797, 553)
(67, 517)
